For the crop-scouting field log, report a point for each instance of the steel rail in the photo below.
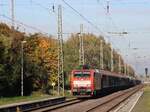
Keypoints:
(125, 94)
(55, 107)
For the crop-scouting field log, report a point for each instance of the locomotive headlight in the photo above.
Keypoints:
(75, 85)
(83, 83)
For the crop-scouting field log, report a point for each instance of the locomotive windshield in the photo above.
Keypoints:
(81, 75)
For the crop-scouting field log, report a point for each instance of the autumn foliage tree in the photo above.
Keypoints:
(42, 51)
(40, 62)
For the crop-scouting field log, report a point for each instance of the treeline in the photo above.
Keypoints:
(40, 59)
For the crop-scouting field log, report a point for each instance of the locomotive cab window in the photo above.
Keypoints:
(81, 75)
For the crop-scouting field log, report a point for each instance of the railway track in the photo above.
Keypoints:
(105, 104)
(61, 105)
(110, 104)
(29, 105)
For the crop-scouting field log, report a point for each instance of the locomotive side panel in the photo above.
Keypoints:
(97, 81)
(105, 81)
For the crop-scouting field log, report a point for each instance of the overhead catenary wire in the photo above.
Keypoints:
(91, 23)
(46, 8)
(108, 14)
(53, 10)
(23, 24)
(86, 19)
(83, 17)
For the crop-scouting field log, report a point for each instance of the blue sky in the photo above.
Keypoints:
(125, 15)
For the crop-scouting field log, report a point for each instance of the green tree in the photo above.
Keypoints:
(42, 51)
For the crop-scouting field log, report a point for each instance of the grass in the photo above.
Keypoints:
(143, 104)
(17, 99)
(68, 94)
(34, 96)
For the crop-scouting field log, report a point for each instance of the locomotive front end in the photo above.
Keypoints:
(81, 83)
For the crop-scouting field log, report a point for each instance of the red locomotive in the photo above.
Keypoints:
(92, 82)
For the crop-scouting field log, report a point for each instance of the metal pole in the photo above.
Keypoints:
(62, 58)
(22, 68)
(60, 53)
(119, 64)
(53, 90)
(79, 35)
(101, 54)
(12, 13)
(107, 7)
(112, 66)
(125, 69)
(81, 28)
(81, 49)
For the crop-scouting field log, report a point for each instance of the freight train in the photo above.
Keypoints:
(93, 82)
